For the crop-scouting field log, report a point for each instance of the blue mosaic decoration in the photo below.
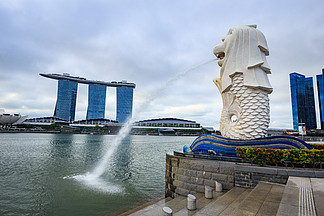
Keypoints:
(226, 146)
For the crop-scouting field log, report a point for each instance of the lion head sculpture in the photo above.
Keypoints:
(244, 50)
(244, 83)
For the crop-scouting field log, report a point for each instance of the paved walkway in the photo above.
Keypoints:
(300, 196)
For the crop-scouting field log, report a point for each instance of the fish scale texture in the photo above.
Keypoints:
(251, 107)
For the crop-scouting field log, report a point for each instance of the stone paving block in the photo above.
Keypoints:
(184, 165)
(219, 177)
(283, 172)
(196, 180)
(226, 170)
(204, 174)
(182, 191)
(197, 167)
(211, 168)
(147, 210)
(174, 162)
(180, 171)
(240, 168)
(210, 183)
(230, 179)
(266, 170)
(279, 180)
(319, 174)
(287, 210)
(234, 205)
(178, 183)
(268, 209)
(200, 174)
(190, 187)
(301, 173)
(227, 186)
(318, 193)
(201, 188)
(174, 204)
(275, 194)
(218, 206)
(184, 178)
(250, 207)
(176, 177)
(290, 196)
(190, 173)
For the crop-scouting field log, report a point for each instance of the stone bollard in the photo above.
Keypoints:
(166, 211)
(219, 187)
(208, 192)
(191, 202)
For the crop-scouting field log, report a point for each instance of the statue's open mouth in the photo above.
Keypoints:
(220, 55)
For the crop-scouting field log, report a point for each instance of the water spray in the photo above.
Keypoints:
(93, 179)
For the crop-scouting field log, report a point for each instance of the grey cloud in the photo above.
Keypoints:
(148, 43)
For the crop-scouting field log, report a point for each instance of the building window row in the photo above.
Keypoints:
(168, 125)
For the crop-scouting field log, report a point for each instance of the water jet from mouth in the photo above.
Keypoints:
(94, 179)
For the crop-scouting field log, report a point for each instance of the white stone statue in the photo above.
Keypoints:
(244, 83)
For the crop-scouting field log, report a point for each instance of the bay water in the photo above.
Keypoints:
(35, 172)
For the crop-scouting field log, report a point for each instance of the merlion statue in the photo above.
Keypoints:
(244, 87)
(244, 83)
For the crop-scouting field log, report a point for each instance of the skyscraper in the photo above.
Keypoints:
(96, 101)
(302, 101)
(66, 99)
(320, 92)
(124, 103)
(67, 94)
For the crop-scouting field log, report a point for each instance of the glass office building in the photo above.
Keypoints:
(320, 91)
(124, 104)
(67, 94)
(66, 100)
(302, 101)
(96, 101)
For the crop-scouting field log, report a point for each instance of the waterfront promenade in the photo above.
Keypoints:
(300, 196)
(248, 189)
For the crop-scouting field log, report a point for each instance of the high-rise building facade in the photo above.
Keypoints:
(66, 100)
(67, 94)
(302, 101)
(320, 92)
(96, 101)
(124, 104)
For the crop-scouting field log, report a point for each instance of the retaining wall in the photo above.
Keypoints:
(188, 175)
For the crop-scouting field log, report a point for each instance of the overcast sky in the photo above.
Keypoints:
(149, 42)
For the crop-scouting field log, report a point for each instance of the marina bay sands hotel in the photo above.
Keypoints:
(67, 94)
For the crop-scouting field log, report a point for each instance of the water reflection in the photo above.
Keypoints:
(122, 160)
(93, 147)
(33, 166)
(61, 146)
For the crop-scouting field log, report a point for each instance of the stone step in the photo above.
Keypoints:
(218, 206)
(178, 206)
(156, 208)
(200, 204)
(298, 198)
(263, 200)
(233, 206)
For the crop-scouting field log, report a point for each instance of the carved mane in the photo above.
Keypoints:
(245, 50)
